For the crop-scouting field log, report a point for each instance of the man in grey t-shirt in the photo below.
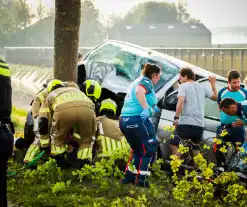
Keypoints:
(190, 109)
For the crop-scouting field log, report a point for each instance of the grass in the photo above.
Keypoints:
(49, 185)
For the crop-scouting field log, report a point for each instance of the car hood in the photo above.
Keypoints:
(116, 84)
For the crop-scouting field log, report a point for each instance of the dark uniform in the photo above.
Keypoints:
(6, 128)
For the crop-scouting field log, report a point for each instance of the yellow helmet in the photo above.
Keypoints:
(108, 105)
(53, 84)
(92, 89)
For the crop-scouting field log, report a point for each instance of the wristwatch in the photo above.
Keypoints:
(176, 117)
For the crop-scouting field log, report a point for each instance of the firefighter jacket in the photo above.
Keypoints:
(60, 99)
(38, 100)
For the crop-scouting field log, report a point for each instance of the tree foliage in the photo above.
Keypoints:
(158, 12)
(41, 10)
(92, 31)
(15, 15)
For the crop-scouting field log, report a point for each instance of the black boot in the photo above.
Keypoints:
(129, 178)
(62, 161)
(141, 181)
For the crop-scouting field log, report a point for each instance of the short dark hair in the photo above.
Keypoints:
(227, 102)
(149, 69)
(233, 74)
(187, 72)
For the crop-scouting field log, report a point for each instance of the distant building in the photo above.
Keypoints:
(163, 35)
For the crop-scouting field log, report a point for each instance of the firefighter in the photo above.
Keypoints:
(34, 148)
(63, 109)
(31, 124)
(92, 90)
(6, 129)
(109, 137)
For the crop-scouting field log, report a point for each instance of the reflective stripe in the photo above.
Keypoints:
(41, 97)
(124, 143)
(44, 110)
(141, 172)
(103, 143)
(32, 151)
(57, 150)
(44, 142)
(101, 131)
(133, 171)
(108, 144)
(85, 153)
(68, 97)
(3, 64)
(148, 173)
(113, 144)
(76, 136)
(4, 72)
(119, 146)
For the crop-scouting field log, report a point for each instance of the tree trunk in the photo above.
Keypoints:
(67, 25)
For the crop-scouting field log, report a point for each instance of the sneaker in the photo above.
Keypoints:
(221, 169)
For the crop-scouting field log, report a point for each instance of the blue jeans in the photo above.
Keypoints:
(142, 140)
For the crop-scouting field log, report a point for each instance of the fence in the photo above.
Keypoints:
(1, 52)
(218, 60)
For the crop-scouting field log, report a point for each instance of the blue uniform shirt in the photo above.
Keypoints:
(239, 96)
(131, 105)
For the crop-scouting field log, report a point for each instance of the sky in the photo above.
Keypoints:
(213, 13)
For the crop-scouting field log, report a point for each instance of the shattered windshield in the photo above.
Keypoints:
(129, 61)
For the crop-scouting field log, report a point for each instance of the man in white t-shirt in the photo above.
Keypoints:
(189, 117)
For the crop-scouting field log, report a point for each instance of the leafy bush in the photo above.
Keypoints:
(99, 185)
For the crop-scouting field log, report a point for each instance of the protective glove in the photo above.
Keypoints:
(156, 109)
(145, 114)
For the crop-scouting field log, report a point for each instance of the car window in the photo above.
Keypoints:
(129, 61)
(168, 70)
(122, 57)
(211, 107)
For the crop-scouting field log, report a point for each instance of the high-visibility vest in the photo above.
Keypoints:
(4, 69)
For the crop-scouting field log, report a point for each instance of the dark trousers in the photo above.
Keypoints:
(142, 140)
(6, 149)
(235, 134)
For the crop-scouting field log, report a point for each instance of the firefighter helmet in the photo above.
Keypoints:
(92, 89)
(108, 106)
(54, 84)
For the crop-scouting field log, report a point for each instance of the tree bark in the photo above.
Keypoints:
(66, 39)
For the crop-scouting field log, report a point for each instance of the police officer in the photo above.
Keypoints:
(6, 129)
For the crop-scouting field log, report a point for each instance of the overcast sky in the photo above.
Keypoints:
(213, 13)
